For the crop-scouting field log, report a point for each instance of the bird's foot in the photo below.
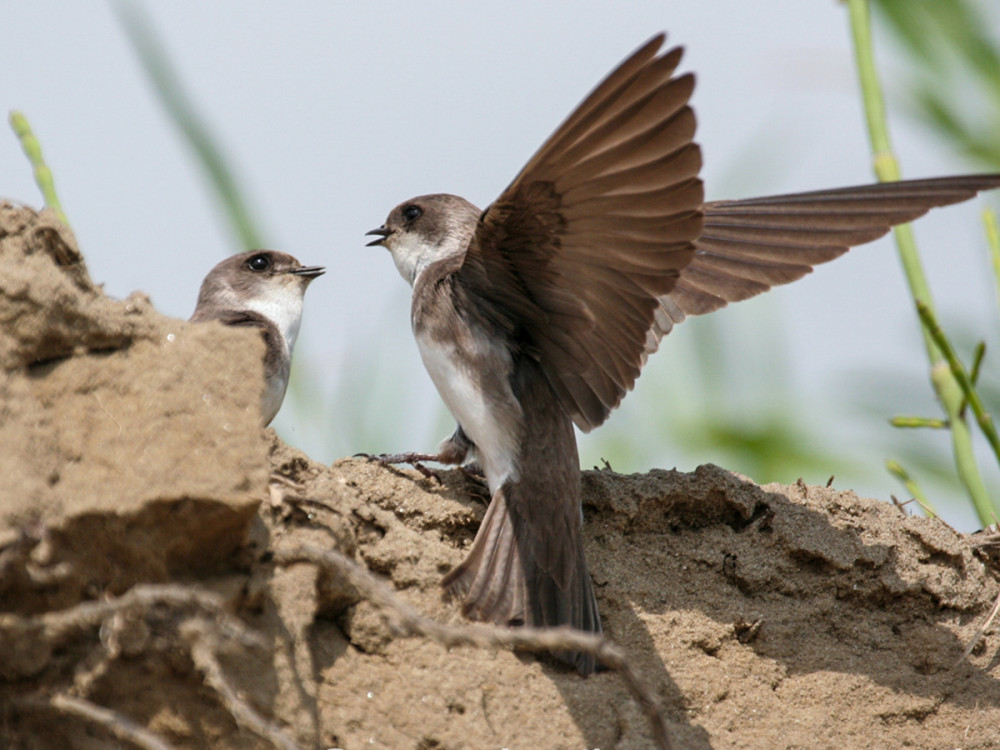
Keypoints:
(413, 459)
(473, 471)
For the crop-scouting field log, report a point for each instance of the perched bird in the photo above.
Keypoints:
(540, 311)
(261, 289)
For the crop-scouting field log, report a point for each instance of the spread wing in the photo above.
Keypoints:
(748, 246)
(575, 253)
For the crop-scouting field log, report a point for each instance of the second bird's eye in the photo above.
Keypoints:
(412, 213)
(259, 263)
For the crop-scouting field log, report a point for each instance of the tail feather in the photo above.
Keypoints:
(492, 560)
(501, 581)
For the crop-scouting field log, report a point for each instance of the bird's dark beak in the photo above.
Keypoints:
(382, 233)
(310, 272)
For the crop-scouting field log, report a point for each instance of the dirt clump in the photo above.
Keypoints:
(146, 598)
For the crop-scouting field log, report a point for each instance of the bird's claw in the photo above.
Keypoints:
(473, 471)
(413, 459)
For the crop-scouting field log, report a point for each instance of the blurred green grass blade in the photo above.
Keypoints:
(774, 448)
(166, 82)
(935, 31)
(33, 150)
(955, 62)
(735, 407)
(909, 26)
(977, 143)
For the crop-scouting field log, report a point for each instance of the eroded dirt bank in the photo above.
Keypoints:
(133, 466)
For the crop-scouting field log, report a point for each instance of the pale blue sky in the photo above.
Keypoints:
(332, 113)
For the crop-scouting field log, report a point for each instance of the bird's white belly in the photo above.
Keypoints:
(274, 394)
(490, 419)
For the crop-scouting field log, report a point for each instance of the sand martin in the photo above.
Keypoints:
(540, 311)
(261, 289)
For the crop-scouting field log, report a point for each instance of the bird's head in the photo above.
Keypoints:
(423, 230)
(268, 282)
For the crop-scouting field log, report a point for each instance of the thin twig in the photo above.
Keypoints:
(911, 485)
(89, 614)
(991, 538)
(405, 621)
(979, 631)
(204, 633)
(117, 724)
(204, 645)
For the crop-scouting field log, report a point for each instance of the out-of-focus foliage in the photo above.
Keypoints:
(953, 51)
(184, 113)
(711, 399)
(953, 47)
(768, 444)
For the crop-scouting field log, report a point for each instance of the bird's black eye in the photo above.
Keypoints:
(259, 263)
(412, 213)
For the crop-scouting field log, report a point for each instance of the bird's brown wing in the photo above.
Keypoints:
(748, 246)
(572, 257)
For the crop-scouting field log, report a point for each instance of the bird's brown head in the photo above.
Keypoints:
(269, 282)
(423, 230)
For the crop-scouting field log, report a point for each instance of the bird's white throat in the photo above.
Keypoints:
(282, 305)
(412, 253)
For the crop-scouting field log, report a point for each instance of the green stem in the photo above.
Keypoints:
(884, 160)
(993, 240)
(887, 168)
(908, 422)
(977, 363)
(911, 486)
(961, 377)
(43, 175)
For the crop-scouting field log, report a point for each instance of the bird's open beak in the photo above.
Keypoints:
(382, 233)
(310, 272)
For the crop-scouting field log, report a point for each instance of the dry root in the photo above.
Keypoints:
(115, 723)
(200, 624)
(405, 621)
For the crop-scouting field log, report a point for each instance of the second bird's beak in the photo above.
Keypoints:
(382, 234)
(310, 272)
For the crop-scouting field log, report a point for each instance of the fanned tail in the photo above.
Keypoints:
(504, 579)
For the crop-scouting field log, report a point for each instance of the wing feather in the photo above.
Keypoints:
(594, 229)
(748, 246)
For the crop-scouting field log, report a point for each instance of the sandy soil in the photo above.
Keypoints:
(146, 601)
